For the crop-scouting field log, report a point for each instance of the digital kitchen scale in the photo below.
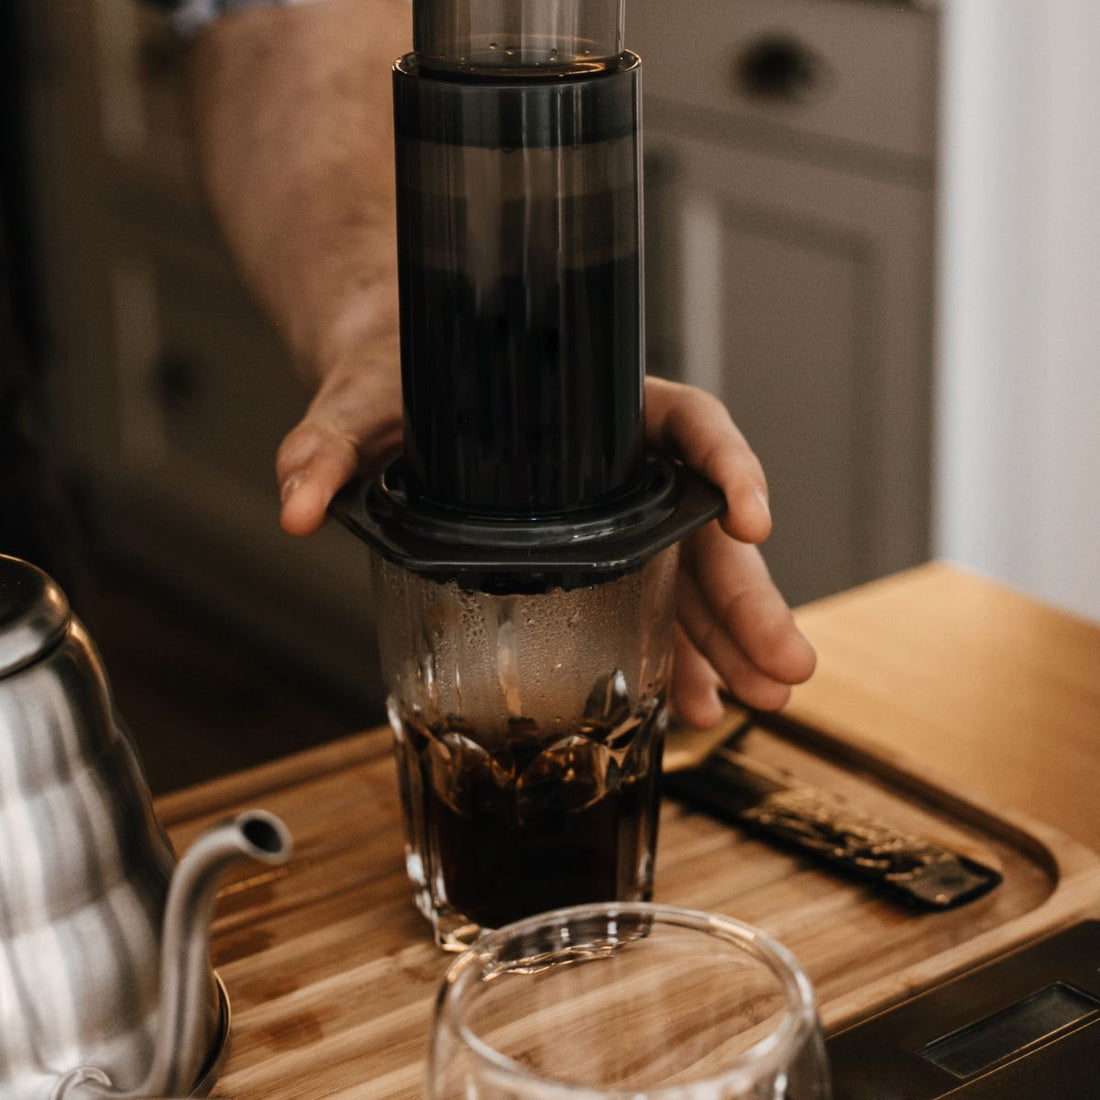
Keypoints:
(1025, 1027)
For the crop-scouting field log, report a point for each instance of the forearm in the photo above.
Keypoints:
(292, 110)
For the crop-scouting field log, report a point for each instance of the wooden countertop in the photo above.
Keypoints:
(331, 972)
(991, 688)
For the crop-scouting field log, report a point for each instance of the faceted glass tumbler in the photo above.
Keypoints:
(626, 1002)
(528, 731)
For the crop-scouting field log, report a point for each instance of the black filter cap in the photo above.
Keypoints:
(486, 552)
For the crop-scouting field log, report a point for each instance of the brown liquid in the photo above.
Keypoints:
(541, 821)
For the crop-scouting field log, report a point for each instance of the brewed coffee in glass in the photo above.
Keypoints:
(529, 731)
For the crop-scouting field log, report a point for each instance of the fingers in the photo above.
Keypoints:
(736, 618)
(732, 618)
(694, 427)
(751, 685)
(353, 425)
(694, 685)
(736, 592)
(312, 464)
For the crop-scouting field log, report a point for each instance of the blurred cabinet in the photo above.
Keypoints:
(789, 227)
(171, 391)
(789, 224)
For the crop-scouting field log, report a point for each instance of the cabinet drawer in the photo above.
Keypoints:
(203, 382)
(801, 294)
(853, 72)
(204, 394)
(226, 393)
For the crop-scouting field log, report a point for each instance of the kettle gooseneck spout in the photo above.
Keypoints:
(179, 1051)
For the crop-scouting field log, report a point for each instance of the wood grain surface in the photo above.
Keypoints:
(332, 974)
(983, 684)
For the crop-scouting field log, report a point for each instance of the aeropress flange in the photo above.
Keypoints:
(525, 544)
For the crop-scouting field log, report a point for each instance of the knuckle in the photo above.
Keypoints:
(770, 696)
(713, 405)
(297, 443)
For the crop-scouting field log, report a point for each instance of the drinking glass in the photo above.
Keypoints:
(629, 1001)
(528, 730)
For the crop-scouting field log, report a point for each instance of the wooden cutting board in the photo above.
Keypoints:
(332, 973)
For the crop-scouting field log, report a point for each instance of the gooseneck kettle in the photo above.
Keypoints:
(106, 987)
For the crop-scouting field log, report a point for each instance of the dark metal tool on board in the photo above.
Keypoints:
(734, 787)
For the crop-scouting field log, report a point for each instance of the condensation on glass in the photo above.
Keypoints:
(528, 730)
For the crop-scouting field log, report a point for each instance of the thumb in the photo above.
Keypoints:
(313, 462)
(352, 426)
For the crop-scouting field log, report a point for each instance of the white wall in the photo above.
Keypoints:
(1018, 447)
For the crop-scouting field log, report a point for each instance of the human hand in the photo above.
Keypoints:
(352, 425)
(292, 112)
(733, 626)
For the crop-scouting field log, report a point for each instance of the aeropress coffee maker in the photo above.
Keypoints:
(525, 544)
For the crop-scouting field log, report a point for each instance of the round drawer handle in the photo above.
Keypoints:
(159, 54)
(779, 67)
(175, 380)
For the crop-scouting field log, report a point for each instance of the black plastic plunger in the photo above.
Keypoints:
(519, 196)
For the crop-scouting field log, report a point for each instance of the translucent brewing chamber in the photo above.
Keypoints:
(523, 35)
(529, 731)
(524, 541)
(520, 280)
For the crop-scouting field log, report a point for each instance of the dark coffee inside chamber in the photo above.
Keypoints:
(508, 372)
(518, 212)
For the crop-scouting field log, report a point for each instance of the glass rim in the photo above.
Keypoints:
(800, 1017)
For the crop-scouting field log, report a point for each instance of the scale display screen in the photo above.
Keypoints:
(1024, 1025)
(1011, 1031)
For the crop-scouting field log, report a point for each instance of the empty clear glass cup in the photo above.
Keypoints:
(626, 1002)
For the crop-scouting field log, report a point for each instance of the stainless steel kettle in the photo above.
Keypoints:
(106, 987)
